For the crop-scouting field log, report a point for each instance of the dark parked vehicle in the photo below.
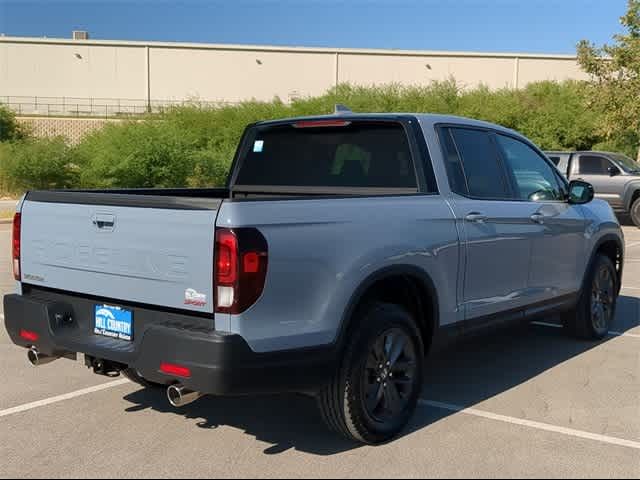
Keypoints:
(615, 177)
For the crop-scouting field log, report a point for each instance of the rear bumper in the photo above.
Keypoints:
(220, 363)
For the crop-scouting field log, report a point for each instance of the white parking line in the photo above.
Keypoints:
(631, 245)
(425, 403)
(531, 424)
(611, 334)
(61, 398)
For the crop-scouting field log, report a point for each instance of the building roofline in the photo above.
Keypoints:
(282, 49)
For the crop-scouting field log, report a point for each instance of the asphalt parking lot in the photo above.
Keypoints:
(525, 402)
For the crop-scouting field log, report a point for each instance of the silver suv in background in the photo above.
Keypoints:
(615, 177)
(339, 249)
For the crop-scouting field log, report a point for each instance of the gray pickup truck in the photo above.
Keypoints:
(341, 247)
(615, 177)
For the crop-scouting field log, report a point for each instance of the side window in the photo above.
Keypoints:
(534, 177)
(457, 182)
(592, 165)
(480, 165)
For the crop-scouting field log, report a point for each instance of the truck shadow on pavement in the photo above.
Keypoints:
(465, 373)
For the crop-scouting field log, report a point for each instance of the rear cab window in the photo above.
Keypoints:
(328, 155)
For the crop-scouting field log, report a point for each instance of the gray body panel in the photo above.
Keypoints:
(322, 250)
(512, 261)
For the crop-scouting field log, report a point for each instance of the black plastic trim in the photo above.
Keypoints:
(348, 316)
(169, 199)
(220, 363)
(515, 315)
(610, 237)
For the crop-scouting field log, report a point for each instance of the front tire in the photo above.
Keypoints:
(596, 309)
(375, 392)
(634, 212)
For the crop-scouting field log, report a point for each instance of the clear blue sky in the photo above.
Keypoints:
(545, 26)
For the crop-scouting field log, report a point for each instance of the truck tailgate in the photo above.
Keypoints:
(158, 252)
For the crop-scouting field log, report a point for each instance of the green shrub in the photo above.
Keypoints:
(194, 146)
(133, 154)
(10, 129)
(38, 164)
(185, 146)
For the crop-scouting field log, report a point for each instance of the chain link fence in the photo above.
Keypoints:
(95, 107)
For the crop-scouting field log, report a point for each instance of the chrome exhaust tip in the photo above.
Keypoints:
(36, 359)
(179, 396)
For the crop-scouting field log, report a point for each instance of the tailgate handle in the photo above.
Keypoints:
(104, 221)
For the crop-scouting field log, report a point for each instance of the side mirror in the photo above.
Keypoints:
(580, 192)
(613, 171)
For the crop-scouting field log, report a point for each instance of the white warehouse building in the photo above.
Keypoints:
(66, 74)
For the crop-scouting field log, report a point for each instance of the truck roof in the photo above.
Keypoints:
(427, 119)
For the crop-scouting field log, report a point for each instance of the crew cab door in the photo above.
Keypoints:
(558, 246)
(496, 228)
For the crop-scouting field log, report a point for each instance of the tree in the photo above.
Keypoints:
(615, 78)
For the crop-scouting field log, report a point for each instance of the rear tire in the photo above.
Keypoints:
(374, 393)
(596, 309)
(634, 212)
(135, 377)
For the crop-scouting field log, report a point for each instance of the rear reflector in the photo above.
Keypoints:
(175, 370)
(321, 123)
(29, 336)
(15, 243)
(251, 263)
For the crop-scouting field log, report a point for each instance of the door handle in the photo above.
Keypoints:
(104, 221)
(476, 217)
(537, 218)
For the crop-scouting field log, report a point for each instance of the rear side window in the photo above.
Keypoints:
(452, 162)
(358, 154)
(480, 173)
(592, 165)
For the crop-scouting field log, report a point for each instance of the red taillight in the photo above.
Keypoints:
(29, 336)
(240, 268)
(321, 123)
(17, 221)
(227, 257)
(175, 370)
